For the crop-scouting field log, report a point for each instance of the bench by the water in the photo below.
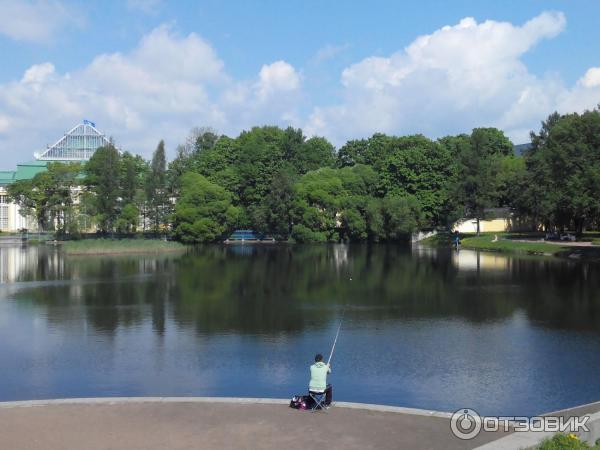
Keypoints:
(248, 236)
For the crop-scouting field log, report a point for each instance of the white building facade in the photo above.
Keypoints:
(78, 144)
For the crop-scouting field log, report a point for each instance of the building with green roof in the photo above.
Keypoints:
(78, 144)
(7, 177)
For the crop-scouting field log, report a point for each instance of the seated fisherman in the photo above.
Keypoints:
(318, 378)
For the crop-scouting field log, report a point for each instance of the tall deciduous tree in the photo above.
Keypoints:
(156, 188)
(424, 169)
(275, 214)
(102, 178)
(562, 187)
(372, 151)
(315, 152)
(133, 174)
(478, 166)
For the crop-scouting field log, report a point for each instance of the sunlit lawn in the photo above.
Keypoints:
(119, 246)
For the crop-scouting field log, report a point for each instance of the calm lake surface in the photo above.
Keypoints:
(423, 328)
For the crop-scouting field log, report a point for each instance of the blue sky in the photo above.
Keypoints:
(151, 69)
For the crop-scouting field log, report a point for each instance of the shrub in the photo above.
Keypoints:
(566, 442)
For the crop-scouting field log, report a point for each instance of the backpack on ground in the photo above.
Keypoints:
(300, 402)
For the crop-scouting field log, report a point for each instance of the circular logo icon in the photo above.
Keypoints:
(465, 423)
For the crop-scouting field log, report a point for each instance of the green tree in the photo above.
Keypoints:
(192, 156)
(177, 167)
(508, 181)
(275, 216)
(128, 219)
(133, 173)
(455, 145)
(331, 204)
(401, 217)
(372, 151)
(316, 207)
(292, 142)
(204, 212)
(63, 180)
(491, 141)
(393, 218)
(316, 152)
(352, 153)
(259, 158)
(214, 162)
(48, 196)
(156, 189)
(562, 183)
(303, 155)
(102, 178)
(205, 139)
(423, 169)
(250, 167)
(353, 223)
(29, 201)
(478, 166)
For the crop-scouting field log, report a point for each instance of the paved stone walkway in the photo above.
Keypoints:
(181, 424)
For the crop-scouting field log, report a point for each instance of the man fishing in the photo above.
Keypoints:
(318, 378)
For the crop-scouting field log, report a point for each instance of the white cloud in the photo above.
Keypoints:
(160, 89)
(273, 98)
(36, 20)
(38, 73)
(591, 78)
(456, 78)
(276, 78)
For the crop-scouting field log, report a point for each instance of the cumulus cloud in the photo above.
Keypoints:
(591, 78)
(272, 98)
(38, 73)
(160, 89)
(458, 77)
(36, 20)
(275, 78)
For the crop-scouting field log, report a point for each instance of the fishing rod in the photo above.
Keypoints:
(338, 332)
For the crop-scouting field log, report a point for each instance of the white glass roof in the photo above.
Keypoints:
(79, 144)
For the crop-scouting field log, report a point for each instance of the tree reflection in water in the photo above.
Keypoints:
(272, 289)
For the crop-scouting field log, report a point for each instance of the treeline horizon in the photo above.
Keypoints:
(280, 183)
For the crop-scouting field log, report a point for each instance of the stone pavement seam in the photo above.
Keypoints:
(241, 400)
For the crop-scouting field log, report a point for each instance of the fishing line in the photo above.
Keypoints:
(338, 331)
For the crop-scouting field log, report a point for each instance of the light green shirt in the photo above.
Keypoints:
(318, 376)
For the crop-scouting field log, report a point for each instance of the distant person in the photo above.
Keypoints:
(318, 378)
(456, 239)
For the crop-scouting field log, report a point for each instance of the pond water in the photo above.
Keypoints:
(422, 328)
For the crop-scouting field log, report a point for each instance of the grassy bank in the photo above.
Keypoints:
(513, 243)
(504, 244)
(120, 246)
(510, 243)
